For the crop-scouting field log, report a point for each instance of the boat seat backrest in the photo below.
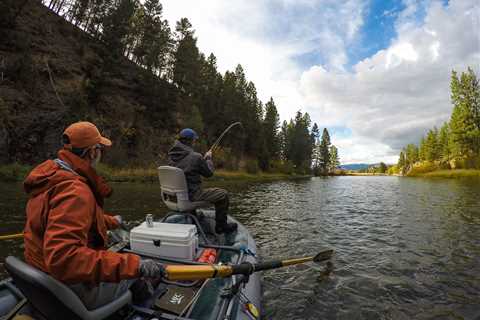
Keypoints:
(174, 190)
(53, 299)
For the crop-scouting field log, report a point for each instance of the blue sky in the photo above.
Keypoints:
(377, 31)
(375, 73)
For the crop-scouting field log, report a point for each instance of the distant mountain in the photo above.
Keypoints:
(355, 166)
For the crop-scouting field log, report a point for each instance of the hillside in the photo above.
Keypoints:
(354, 166)
(42, 53)
(121, 65)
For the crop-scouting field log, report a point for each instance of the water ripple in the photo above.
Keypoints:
(405, 248)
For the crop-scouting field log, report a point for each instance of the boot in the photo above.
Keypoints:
(226, 228)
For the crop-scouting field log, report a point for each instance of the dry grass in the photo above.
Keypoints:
(260, 176)
(460, 173)
(18, 172)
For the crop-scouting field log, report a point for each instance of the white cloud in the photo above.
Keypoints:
(387, 100)
(397, 94)
(266, 36)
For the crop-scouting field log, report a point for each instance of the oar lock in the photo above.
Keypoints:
(245, 268)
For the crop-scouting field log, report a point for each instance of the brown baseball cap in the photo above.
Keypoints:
(85, 134)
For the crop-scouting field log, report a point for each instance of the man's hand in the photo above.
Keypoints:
(208, 155)
(151, 269)
(119, 219)
(121, 224)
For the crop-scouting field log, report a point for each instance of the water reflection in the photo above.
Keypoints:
(405, 248)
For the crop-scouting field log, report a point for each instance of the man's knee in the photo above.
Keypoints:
(217, 194)
(222, 193)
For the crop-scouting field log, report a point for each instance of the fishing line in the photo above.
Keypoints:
(217, 142)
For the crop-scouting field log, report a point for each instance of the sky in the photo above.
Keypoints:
(375, 73)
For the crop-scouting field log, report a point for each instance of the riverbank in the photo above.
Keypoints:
(458, 173)
(17, 172)
(150, 175)
(362, 174)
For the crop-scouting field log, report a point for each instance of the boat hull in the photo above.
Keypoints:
(215, 299)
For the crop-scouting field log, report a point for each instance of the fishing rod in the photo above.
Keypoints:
(198, 272)
(11, 236)
(217, 142)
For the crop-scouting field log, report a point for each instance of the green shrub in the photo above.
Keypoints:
(14, 172)
(225, 159)
(472, 162)
(422, 168)
(393, 170)
(284, 167)
(251, 166)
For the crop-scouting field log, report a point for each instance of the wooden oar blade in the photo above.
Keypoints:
(323, 256)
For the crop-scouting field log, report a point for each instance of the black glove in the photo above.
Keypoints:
(151, 269)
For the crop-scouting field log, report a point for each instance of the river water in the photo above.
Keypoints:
(406, 248)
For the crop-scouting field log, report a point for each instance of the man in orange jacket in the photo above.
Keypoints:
(66, 228)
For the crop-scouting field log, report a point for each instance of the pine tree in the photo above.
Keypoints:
(116, 26)
(334, 159)
(210, 102)
(401, 161)
(422, 150)
(443, 141)
(283, 139)
(411, 154)
(464, 122)
(155, 44)
(432, 147)
(382, 168)
(315, 148)
(78, 12)
(271, 125)
(325, 151)
(187, 67)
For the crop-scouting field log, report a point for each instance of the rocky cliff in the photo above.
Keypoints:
(52, 74)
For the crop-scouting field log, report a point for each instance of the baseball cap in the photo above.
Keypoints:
(188, 134)
(84, 134)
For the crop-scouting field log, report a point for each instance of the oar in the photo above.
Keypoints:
(11, 236)
(192, 272)
(20, 235)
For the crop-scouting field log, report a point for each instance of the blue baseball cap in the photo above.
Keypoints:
(188, 133)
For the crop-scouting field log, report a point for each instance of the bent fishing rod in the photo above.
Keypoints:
(217, 142)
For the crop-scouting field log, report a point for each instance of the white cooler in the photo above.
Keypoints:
(169, 240)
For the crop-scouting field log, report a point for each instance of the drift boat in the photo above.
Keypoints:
(184, 237)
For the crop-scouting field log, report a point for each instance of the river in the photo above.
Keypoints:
(406, 248)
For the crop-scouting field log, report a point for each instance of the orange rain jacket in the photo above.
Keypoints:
(66, 227)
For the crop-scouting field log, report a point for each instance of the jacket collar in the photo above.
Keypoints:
(83, 168)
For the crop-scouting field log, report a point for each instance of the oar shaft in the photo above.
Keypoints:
(183, 272)
(12, 236)
(197, 272)
(274, 264)
(291, 262)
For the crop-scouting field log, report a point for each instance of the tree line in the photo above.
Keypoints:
(457, 143)
(189, 82)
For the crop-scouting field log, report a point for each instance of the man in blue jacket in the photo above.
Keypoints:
(194, 165)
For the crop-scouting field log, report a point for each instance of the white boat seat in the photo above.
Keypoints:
(174, 190)
(53, 299)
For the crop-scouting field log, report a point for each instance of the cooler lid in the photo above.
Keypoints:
(165, 231)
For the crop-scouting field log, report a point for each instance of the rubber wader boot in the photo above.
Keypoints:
(226, 228)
